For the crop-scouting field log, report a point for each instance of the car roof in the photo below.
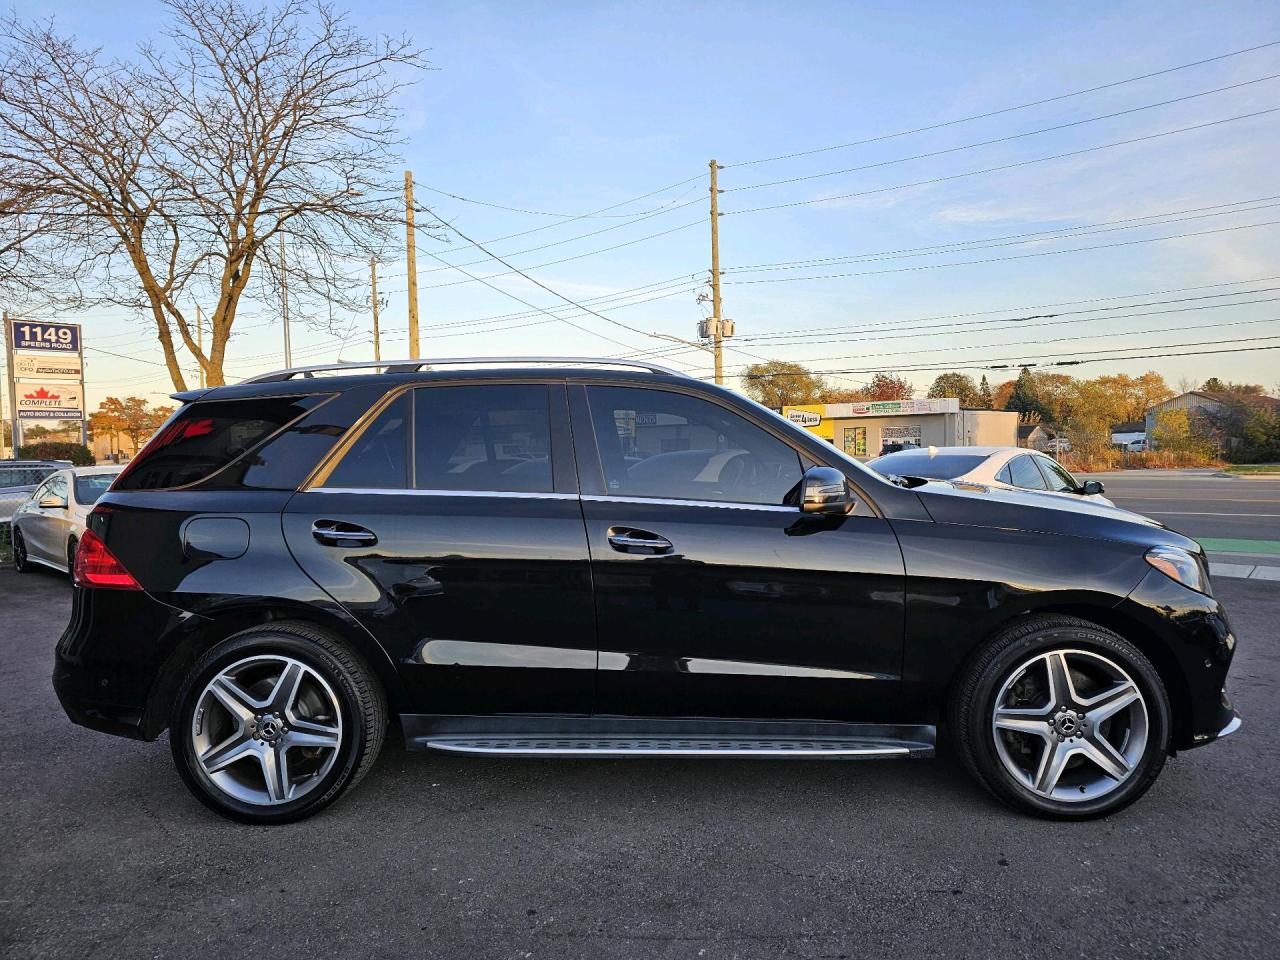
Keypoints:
(331, 382)
(98, 471)
(950, 451)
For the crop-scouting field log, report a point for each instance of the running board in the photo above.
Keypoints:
(624, 737)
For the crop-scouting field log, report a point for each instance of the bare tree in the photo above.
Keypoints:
(170, 178)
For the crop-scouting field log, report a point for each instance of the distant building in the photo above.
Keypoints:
(1035, 436)
(1201, 403)
(865, 428)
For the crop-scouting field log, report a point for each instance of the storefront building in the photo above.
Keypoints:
(864, 429)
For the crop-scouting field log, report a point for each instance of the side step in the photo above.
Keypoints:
(836, 748)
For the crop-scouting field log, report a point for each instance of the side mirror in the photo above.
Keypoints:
(824, 491)
(1092, 487)
(52, 503)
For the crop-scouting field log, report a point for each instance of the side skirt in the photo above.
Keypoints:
(571, 736)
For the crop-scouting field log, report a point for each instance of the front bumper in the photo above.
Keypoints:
(1193, 652)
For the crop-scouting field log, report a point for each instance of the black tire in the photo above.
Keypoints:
(360, 698)
(71, 558)
(20, 561)
(972, 704)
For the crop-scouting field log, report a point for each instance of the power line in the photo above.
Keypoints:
(1086, 229)
(1003, 110)
(1006, 363)
(1018, 256)
(567, 217)
(553, 292)
(1006, 166)
(995, 140)
(1039, 343)
(593, 213)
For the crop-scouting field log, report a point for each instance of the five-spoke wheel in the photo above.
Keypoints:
(1070, 724)
(275, 722)
(1061, 717)
(267, 729)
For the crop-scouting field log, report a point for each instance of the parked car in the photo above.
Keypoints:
(1011, 468)
(18, 478)
(49, 525)
(1058, 446)
(611, 559)
(1137, 446)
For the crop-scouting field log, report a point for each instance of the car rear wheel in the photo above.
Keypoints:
(71, 558)
(1062, 718)
(275, 723)
(21, 562)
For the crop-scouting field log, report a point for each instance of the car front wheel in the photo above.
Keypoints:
(274, 723)
(21, 562)
(1062, 718)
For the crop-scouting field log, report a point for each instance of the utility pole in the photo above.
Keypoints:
(13, 385)
(377, 339)
(284, 301)
(717, 315)
(412, 257)
(200, 344)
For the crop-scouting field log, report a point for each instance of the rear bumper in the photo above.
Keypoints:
(109, 659)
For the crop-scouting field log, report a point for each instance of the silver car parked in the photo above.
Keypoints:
(47, 527)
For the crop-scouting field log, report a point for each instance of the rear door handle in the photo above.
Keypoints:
(629, 540)
(339, 533)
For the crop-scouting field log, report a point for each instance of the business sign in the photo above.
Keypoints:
(28, 366)
(50, 401)
(41, 337)
(891, 408)
(804, 418)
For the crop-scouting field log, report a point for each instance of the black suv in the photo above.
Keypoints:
(577, 558)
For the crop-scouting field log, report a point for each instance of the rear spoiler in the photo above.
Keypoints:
(186, 396)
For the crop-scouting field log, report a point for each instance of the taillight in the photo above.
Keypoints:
(96, 566)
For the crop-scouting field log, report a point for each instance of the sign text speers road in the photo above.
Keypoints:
(46, 367)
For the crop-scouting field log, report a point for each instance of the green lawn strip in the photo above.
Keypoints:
(1267, 469)
(1226, 545)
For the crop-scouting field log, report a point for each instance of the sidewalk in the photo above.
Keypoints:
(1244, 566)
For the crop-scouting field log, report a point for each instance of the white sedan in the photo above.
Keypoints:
(49, 525)
(1009, 468)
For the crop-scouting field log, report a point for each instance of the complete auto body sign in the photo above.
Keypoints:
(31, 366)
(50, 401)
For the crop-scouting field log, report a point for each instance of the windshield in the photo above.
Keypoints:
(90, 488)
(918, 463)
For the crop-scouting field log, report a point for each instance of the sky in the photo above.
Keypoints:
(567, 108)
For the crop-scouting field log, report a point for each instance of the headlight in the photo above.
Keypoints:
(1177, 564)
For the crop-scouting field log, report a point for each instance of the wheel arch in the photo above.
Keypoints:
(214, 626)
(1137, 633)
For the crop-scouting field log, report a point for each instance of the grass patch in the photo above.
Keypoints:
(1255, 468)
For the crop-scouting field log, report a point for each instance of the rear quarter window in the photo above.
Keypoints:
(208, 436)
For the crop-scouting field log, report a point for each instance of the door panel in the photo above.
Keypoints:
(484, 601)
(754, 609)
(476, 578)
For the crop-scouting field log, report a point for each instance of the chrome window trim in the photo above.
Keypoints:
(671, 502)
(407, 491)
(534, 495)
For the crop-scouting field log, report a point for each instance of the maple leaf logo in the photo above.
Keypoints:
(42, 394)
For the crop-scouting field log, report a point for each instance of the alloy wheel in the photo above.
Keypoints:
(19, 550)
(267, 730)
(1070, 725)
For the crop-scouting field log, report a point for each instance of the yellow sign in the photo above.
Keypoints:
(811, 417)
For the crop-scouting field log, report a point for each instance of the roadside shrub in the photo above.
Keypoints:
(77, 453)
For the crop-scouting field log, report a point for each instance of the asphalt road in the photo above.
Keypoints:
(105, 855)
(1199, 504)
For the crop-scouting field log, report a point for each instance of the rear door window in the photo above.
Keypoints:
(486, 438)
(1025, 474)
(207, 436)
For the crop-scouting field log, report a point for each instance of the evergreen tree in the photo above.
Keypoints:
(984, 394)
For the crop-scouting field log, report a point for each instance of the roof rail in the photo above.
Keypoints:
(412, 366)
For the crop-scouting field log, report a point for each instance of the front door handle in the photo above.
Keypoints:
(629, 540)
(339, 533)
